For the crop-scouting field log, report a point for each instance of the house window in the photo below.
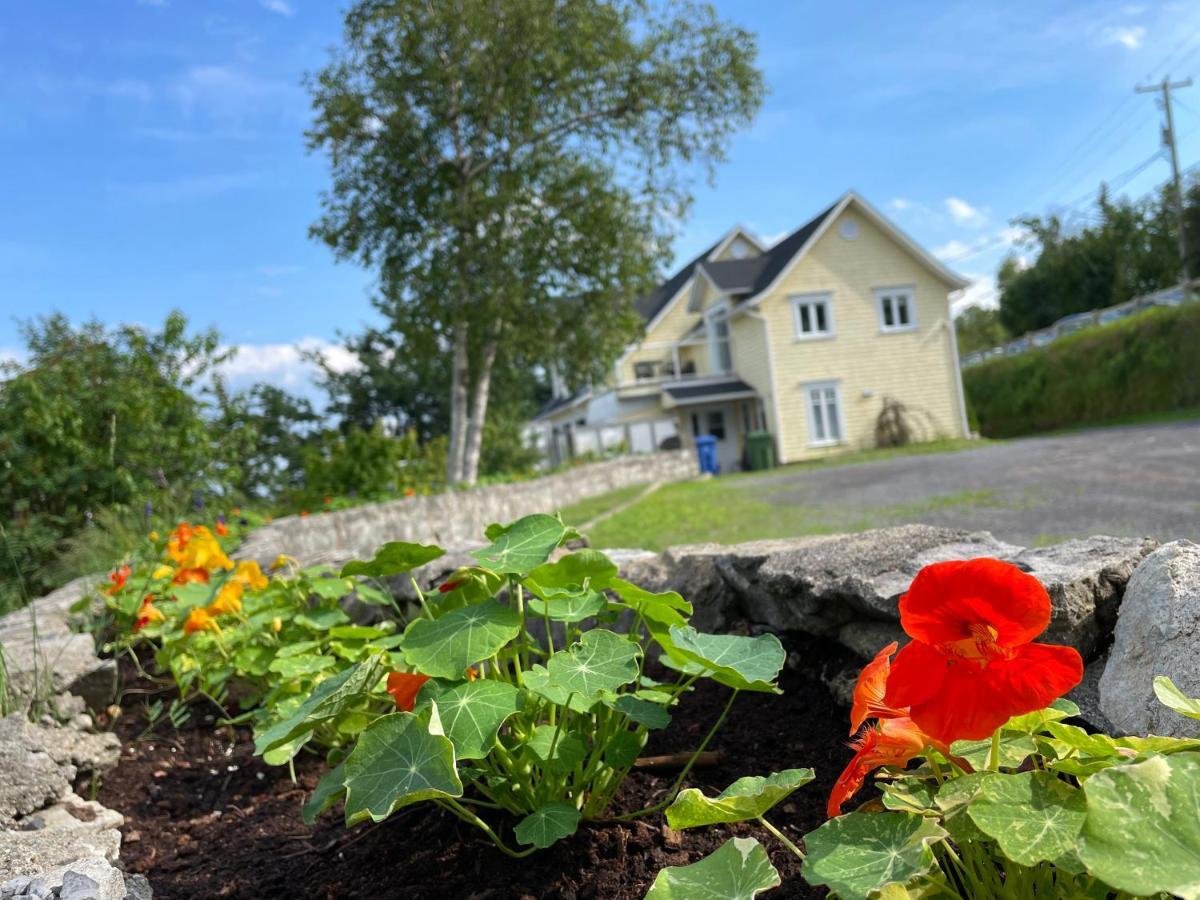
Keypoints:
(695, 425)
(643, 371)
(716, 424)
(718, 340)
(897, 309)
(813, 315)
(823, 407)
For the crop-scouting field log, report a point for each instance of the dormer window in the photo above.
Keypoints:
(739, 249)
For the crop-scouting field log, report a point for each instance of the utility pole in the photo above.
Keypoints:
(1168, 137)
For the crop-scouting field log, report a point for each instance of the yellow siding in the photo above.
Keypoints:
(914, 367)
(673, 326)
(750, 362)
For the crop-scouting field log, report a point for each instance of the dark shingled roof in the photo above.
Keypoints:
(652, 303)
(720, 389)
(735, 276)
(781, 254)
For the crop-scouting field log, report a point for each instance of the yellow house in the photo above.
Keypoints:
(808, 339)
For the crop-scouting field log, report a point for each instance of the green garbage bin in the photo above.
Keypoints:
(760, 450)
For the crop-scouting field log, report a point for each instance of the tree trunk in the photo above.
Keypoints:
(459, 378)
(479, 404)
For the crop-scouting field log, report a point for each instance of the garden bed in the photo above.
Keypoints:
(206, 818)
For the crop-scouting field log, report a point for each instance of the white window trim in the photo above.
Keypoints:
(806, 390)
(718, 310)
(798, 300)
(910, 292)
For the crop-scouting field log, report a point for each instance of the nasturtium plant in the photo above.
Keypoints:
(738, 870)
(520, 687)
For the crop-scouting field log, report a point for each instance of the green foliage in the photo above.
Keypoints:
(979, 329)
(369, 464)
(747, 798)
(1131, 251)
(508, 187)
(738, 870)
(859, 854)
(1172, 697)
(1144, 364)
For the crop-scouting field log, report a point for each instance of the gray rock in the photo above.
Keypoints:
(86, 752)
(1086, 695)
(1085, 579)
(29, 781)
(137, 887)
(1157, 633)
(77, 886)
(108, 880)
(15, 886)
(868, 638)
(25, 852)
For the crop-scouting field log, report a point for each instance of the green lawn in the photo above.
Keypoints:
(585, 510)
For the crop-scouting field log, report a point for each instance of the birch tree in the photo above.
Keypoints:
(514, 169)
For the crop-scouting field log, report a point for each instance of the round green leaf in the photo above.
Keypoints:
(393, 558)
(1033, 816)
(569, 607)
(472, 713)
(330, 789)
(954, 798)
(645, 712)
(599, 661)
(743, 663)
(559, 750)
(398, 761)
(1015, 748)
(572, 573)
(548, 824)
(1172, 697)
(444, 647)
(859, 853)
(523, 546)
(746, 798)
(665, 609)
(1142, 832)
(738, 870)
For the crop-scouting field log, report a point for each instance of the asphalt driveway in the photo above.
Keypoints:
(1127, 481)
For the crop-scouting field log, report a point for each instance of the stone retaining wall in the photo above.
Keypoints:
(457, 518)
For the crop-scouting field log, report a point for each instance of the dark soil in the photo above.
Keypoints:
(205, 818)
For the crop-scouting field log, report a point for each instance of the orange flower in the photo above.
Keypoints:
(972, 665)
(189, 576)
(147, 613)
(889, 742)
(471, 673)
(409, 492)
(177, 542)
(250, 575)
(222, 529)
(118, 577)
(304, 513)
(328, 501)
(200, 620)
(229, 599)
(870, 689)
(403, 687)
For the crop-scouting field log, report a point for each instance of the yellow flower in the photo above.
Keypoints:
(200, 620)
(281, 560)
(154, 536)
(162, 572)
(201, 552)
(249, 574)
(229, 599)
(277, 624)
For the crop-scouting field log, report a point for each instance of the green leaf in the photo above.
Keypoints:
(569, 607)
(599, 661)
(398, 761)
(1142, 832)
(444, 647)
(859, 853)
(329, 790)
(908, 794)
(623, 748)
(1173, 698)
(568, 749)
(327, 701)
(372, 596)
(281, 753)
(1015, 748)
(666, 609)
(357, 633)
(322, 619)
(1033, 722)
(743, 663)
(548, 824)
(393, 558)
(575, 572)
(295, 666)
(738, 870)
(331, 588)
(645, 712)
(746, 798)
(524, 546)
(472, 713)
(1034, 816)
(954, 798)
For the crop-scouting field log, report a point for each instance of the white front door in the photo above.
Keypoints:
(720, 421)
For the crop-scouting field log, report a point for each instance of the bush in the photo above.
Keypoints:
(1143, 365)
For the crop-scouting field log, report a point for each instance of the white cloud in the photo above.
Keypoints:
(1128, 36)
(283, 365)
(277, 271)
(963, 213)
(951, 250)
(280, 7)
(981, 292)
(899, 204)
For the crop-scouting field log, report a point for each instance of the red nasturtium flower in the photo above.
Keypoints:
(221, 528)
(147, 613)
(888, 742)
(190, 576)
(200, 620)
(972, 663)
(118, 577)
(403, 687)
(447, 586)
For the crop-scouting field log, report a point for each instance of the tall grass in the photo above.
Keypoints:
(1144, 365)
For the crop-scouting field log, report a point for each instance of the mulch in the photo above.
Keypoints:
(206, 818)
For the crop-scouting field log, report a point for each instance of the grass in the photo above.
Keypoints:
(1189, 414)
(585, 510)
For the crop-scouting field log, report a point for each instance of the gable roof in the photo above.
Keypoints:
(651, 304)
(735, 276)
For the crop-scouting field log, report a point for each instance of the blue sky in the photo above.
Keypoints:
(153, 156)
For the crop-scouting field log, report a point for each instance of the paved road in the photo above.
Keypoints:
(1126, 481)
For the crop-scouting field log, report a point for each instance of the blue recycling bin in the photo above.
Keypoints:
(706, 452)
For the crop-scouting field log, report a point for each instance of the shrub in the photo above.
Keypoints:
(1145, 364)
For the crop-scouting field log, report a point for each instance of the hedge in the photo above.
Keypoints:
(1146, 364)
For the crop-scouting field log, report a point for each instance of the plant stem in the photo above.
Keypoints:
(783, 838)
(994, 757)
(467, 816)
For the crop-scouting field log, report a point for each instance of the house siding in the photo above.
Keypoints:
(914, 367)
(673, 326)
(751, 361)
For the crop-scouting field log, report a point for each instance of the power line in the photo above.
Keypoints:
(1169, 139)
